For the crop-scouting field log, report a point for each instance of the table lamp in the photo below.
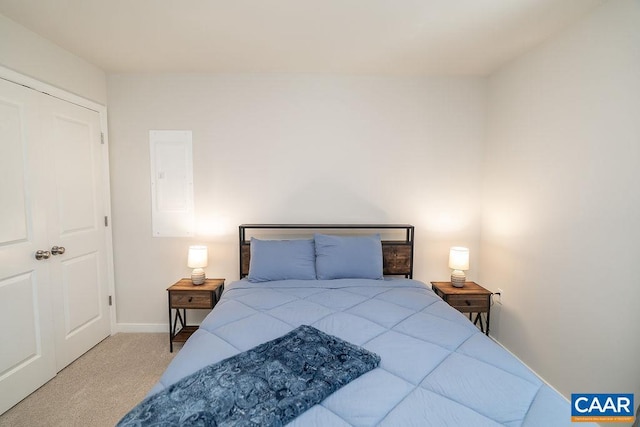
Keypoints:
(197, 260)
(458, 262)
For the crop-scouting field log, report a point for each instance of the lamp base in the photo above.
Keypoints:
(458, 278)
(197, 276)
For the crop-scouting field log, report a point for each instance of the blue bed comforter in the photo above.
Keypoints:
(436, 368)
(269, 385)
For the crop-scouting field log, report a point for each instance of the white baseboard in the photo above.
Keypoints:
(142, 327)
(528, 367)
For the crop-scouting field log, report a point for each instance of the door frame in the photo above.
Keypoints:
(21, 79)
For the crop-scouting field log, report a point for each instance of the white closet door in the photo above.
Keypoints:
(27, 351)
(53, 192)
(76, 216)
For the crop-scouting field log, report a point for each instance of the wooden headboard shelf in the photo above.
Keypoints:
(397, 254)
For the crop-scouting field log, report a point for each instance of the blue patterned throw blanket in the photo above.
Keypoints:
(269, 385)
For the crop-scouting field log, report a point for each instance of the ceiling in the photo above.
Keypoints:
(389, 37)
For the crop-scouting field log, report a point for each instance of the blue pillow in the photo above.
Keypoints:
(339, 257)
(282, 260)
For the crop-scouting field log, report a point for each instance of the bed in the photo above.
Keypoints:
(435, 367)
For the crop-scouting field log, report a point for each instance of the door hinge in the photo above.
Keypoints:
(110, 300)
(106, 221)
(102, 138)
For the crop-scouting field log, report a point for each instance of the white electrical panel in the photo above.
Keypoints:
(172, 207)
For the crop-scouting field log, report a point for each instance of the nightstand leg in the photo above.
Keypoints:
(479, 319)
(170, 330)
(488, 318)
(177, 317)
(173, 325)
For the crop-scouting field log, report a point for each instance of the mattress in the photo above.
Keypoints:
(436, 367)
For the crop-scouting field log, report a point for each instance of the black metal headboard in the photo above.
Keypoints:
(397, 254)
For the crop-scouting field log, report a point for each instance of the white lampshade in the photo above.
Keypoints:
(459, 258)
(198, 257)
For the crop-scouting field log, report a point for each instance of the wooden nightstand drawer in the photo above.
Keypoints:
(193, 299)
(469, 303)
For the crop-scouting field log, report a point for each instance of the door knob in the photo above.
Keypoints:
(57, 250)
(42, 255)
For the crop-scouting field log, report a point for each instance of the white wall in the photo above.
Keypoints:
(27, 53)
(561, 207)
(293, 148)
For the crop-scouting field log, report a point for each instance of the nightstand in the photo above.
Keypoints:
(185, 295)
(472, 298)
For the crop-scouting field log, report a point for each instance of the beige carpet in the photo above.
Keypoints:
(98, 388)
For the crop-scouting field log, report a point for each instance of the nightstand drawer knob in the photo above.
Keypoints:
(467, 301)
(190, 299)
